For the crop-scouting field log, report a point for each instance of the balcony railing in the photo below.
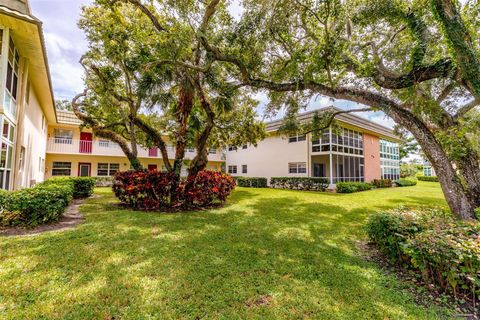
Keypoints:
(108, 148)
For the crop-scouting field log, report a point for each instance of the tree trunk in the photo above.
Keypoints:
(184, 109)
(456, 195)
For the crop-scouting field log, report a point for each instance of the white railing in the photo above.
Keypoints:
(108, 148)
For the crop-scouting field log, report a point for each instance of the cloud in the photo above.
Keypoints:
(65, 43)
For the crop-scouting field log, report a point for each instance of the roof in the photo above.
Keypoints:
(67, 117)
(27, 34)
(346, 118)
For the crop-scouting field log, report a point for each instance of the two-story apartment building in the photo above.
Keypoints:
(26, 99)
(72, 151)
(362, 151)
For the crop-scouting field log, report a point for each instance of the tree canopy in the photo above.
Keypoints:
(416, 60)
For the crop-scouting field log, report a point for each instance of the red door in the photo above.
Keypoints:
(86, 142)
(153, 152)
(152, 167)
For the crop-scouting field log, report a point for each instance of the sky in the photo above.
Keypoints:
(66, 43)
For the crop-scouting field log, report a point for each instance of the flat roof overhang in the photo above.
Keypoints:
(27, 33)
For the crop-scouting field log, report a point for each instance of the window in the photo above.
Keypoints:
(11, 85)
(103, 143)
(244, 168)
(8, 132)
(107, 169)
(63, 136)
(232, 169)
(342, 141)
(390, 159)
(61, 168)
(232, 148)
(297, 167)
(22, 159)
(212, 151)
(244, 146)
(297, 138)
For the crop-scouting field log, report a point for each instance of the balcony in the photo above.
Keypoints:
(108, 148)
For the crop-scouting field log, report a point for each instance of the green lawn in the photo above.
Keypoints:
(268, 254)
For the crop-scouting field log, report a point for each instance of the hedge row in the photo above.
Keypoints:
(406, 182)
(443, 251)
(82, 186)
(42, 203)
(350, 187)
(427, 178)
(299, 183)
(251, 182)
(382, 183)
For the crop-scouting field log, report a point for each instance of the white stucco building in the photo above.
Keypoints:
(363, 151)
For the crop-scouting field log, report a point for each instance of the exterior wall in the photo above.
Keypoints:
(270, 158)
(33, 138)
(94, 160)
(371, 145)
(111, 150)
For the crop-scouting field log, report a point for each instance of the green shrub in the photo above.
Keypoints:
(407, 182)
(477, 213)
(251, 182)
(104, 181)
(409, 170)
(443, 251)
(382, 183)
(82, 186)
(299, 183)
(350, 187)
(427, 178)
(43, 203)
(33, 206)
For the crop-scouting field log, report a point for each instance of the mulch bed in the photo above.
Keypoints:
(424, 294)
(70, 218)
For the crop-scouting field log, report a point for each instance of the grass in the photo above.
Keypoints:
(268, 254)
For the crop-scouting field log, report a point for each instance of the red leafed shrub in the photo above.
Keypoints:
(153, 190)
(206, 188)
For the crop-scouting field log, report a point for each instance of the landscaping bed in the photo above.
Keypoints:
(42, 204)
(438, 250)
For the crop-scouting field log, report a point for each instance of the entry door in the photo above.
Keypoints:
(86, 142)
(318, 170)
(84, 169)
(152, 167)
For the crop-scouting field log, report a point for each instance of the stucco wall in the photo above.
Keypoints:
(371, 147)
(34, 140)
(94, 160)
(269, 158)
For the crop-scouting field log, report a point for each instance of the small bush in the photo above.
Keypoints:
(382, 183)
(33, 206)
(154, 190)
(407, 182)
(409, 170)
(350, 187)
(82, 186)
(251, 182)
(300, 183)
(477, 213)
(427, 178)
(443, 251)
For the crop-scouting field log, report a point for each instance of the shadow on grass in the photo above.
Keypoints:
(126, 264)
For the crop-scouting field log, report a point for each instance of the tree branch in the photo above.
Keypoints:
(466, 108)
(149, 14)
